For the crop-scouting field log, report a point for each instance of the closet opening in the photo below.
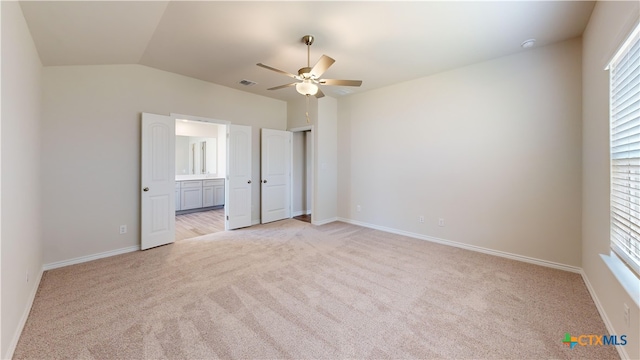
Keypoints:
(302, 175)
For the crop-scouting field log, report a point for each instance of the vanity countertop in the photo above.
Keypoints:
(196, 177)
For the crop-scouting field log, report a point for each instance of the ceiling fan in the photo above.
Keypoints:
(309, 77)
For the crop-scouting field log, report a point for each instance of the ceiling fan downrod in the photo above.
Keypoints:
(308, 40)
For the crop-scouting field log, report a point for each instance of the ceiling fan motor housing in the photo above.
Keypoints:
(305, 73)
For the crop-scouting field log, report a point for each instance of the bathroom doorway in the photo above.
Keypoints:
(201, 153)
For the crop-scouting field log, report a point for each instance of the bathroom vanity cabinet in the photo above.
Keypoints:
(199, 194)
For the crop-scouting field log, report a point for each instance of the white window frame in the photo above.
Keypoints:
(624, 121)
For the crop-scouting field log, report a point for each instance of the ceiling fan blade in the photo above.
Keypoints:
(321, 66)
(319, 94)
(281, 86)
(277, 70)
(340, 82)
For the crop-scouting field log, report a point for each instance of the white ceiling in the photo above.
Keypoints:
(379, 42)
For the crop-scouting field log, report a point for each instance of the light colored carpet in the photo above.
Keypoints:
(293, 290)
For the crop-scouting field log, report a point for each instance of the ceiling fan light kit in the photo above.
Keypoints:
(309, 77)
(306, 87)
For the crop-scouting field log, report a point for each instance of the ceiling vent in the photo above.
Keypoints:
(247, 82)
(343, 91)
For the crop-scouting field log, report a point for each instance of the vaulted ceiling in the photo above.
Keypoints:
(379, 42)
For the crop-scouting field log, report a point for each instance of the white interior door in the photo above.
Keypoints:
(276, 175)
(157, 203)
(238, 201)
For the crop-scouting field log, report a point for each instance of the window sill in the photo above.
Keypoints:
(627, 278)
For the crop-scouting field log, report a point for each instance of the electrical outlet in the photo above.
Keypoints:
(626, 314)
(440, 222)
(123, 229)
(358, 208)
(421, 219)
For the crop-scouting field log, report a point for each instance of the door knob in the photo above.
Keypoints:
(145, 189)
(264, 181)
(249, 182)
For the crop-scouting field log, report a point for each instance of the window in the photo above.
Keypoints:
(624, 88)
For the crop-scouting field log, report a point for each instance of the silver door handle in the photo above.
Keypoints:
(145, 189)
(249, 182)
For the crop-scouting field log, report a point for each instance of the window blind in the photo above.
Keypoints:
(624, 72)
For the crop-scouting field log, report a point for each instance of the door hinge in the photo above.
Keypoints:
(227, 217)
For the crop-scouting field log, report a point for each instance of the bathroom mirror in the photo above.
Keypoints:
(196, 155)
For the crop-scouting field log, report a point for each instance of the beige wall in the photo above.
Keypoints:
(91, 147)
(344, 162)
(296, 112)
(193, 128)
(21, 232)
(610, 23)
(493, 148)
(325, 153)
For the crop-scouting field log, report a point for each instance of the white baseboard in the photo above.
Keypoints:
(499, 253)
(607, 323)
(325, 221)
(83, 259)
(23, 319)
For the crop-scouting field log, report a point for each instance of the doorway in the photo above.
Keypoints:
(302, 174)
(200, 170)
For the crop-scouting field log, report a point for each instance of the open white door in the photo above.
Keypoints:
(238, 201)
(157, 203)
(276, 175)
